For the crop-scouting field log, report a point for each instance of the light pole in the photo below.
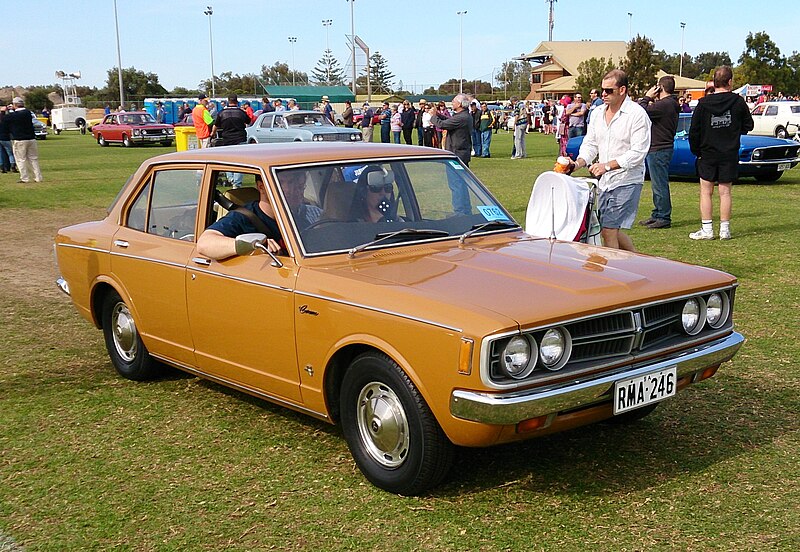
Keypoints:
(209, 12)
(292, 40)
(461, 15)
(353, 43)
(630, 26)
(119, 62)
(327, 24)
(683, 29)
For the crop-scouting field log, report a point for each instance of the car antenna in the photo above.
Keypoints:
(552, 213)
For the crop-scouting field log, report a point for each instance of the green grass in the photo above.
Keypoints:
(89, 461)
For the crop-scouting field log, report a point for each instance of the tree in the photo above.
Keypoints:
(379, 74)
(640, 65)
(36, 97)
(793, 83)
(228, 83)
(515, 77)
(327, 72)
(280, 75)
(707, 62)
(180, 91)
(762, 63)
(138, 85)
(591, 73)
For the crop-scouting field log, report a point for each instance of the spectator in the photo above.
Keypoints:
(347, 114)
(719, 119)
(663, 110)
(520, 114)
(291, 105)
(396, 123)
(161, 113)
(23, 141)
(202, 120)
(684, 105)
(327, 109)
(386, 123)
(107, 109)
(458, 128)
(423, 108)
(428, 130)
(577, 117)
(367, 125)
(6, 150)
(442, 113)
(249, 111)
(408, 119)
(618, 137)
(475, 113)
(595, 101)
(485, 126)
(231, 123)
(547, 118)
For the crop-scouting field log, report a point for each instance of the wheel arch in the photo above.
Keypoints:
(100, 291)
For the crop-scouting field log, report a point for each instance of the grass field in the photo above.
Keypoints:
(89, 461)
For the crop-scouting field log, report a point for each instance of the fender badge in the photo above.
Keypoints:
(305, 310)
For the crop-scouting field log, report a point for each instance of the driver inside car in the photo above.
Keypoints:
(218, 241)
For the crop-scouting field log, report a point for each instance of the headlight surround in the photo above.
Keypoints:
(518, 358)
(717, 309)
(757, 154)
(317, 138)
(693, 315)
(554, 348)
(136, 132)
(355, 137)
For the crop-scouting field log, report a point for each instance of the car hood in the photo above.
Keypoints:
(527, 280)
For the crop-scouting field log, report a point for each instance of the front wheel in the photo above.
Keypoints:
(769, 177)
(392, 434)
(166, 143)
(128, 354)
(126, 141)
(101, 141)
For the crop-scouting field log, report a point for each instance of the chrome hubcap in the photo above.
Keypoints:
(124, 332)
(382, 425)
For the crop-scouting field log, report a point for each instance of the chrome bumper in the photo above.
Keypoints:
(512, 408)
(63, 285)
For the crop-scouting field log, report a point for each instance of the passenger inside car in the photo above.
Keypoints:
(293, 185)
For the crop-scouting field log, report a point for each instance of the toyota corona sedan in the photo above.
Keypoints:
(131, 128)
(404, 304)
(298, 126)
(760, 157)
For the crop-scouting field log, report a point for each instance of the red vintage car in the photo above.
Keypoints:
(131, 128)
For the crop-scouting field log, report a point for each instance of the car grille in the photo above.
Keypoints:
(152, 131)
(613, 338)
(776, 153)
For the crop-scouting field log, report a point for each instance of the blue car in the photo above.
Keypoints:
(760, 157)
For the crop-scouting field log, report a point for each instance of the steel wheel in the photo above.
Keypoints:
(126, 350)
(780, 132)
(382, 424)
(126, 141)
(101, 141)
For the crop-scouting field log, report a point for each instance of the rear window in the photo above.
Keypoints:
(795, 109)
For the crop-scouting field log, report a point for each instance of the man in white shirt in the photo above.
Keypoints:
(619, 139)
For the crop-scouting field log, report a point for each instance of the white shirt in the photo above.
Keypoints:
(426, 120)
(625, 139)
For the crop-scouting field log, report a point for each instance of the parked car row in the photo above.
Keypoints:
(760, 157)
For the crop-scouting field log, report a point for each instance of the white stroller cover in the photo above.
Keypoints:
(557, 205)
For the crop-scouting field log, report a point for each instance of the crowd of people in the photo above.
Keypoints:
(19, 152)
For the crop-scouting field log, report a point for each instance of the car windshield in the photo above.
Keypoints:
(302, 119)
(340, 207)
(684, 124)
(136, 119)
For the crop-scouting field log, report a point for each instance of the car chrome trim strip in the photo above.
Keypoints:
(238, 279)
(383, 311)
(512, 408)
(86, 247)
(241, 387)
(147, 259)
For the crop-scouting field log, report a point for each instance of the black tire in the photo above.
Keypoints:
(123, 342)
(166, 143)
(56, 130)
(126, 141)
(633, 415)
(769, 177)
(781, 132)
(392, 434)
(101, 141)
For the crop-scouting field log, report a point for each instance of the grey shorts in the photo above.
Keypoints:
(618, 207)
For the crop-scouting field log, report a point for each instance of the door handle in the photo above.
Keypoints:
(201, 261)
(121, 243)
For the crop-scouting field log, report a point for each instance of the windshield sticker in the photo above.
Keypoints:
(492, 212)
(456, 165)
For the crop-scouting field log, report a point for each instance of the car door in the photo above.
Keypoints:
(149, 254)
(261, 130)
(759, 126)
(770, 120)
(279, 131)
(109, 129)
(241, 312)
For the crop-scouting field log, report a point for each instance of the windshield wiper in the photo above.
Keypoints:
(479, 227)
(389, 235)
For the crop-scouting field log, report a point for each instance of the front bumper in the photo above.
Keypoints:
(512, 408)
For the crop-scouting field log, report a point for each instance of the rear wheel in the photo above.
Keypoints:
(392, 434)
(780, 132)
(56, 130)
(123, 342)
(126, 141)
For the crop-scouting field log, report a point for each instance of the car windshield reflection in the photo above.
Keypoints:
(314, 119)
(339, 207)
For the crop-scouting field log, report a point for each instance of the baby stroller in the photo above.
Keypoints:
(564, 208)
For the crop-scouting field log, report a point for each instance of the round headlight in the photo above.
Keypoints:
(516, 358)
(317, 138)
(553, 348)
(716, 309)
(136, 132)
(693, 316)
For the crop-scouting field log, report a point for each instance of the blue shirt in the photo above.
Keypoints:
(235, 223)
(387, 120)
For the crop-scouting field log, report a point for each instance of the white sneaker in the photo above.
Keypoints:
(724, 234)
(702, 235)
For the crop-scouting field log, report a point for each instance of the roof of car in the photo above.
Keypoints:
(296, 153)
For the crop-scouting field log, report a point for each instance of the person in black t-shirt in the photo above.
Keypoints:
(231, 123)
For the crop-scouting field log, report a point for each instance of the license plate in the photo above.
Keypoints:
(784, 167)
(640, 391)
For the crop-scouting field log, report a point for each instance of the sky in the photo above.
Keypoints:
(425, 43)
